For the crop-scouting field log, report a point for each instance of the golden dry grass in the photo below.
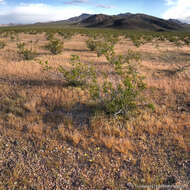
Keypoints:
(53, 137)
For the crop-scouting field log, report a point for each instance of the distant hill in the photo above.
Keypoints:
(73, 20)
(78, 18)
(124, 21)
(132, 21)
(99, 20)
(178, 22)
(11, 24)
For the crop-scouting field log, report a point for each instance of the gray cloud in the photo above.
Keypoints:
(105, 6)
(76, 1)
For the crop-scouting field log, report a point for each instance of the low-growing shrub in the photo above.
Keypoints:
(2, 44)
(118, 95)
(103, 47)
(55, 46)
(137, 40)
(66, 35)
(25, 53)
(91, 44)
(49, 35)
(79, 74)
(122, 94)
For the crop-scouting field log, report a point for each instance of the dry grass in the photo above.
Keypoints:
(52, 137)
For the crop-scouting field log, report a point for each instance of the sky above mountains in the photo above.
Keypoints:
(31, 11)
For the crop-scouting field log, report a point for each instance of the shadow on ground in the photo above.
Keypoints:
(77, 50)
(34, 82)
(79, 114)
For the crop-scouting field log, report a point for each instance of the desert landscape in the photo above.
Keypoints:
(93, 109)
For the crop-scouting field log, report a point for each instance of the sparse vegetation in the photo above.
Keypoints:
(91, 44)
(55, 46)
(2, 45)
(83, 124)
(104, 47)
(26, 53)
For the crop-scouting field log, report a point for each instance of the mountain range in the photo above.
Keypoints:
(124, 21)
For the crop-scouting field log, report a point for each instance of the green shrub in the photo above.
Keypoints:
(118, 95)
(49, 35)
(107, 49)
(91, 44)
(122, 94)
(137, 40)
(103, 47)
(80, 74)
(66, 35)
(2, 44)
(55, 46)
(25, 53)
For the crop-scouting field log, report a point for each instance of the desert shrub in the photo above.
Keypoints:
(118, 95)
(122, 94)
(5, 35)
(2, 44)
(12, 38)
(106, 49)
(26, 53)
(79, 74)
(162, 38)
(103, 47)
(33, 32)
(148, 38)
(186, 41)
(55, 46)
(137, 40)
(49, 35)
(66, 35)
(91, 44)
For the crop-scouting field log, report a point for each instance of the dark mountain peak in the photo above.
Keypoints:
(97, 19)
(124, 14)
(78, 18)
(130, 21)
(124, 21)
(84, 15)
(176, 21)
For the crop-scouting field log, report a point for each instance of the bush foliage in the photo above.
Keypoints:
(55, 46)
(118, 95)
(26, 53)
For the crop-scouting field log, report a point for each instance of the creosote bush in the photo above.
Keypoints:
(2, 44)
(80, 74)
(55, 46)
(25, 53)
(91, 44)
(103, 47)
(66, 35)
(137, 40)
(120, 95)
(49, 35)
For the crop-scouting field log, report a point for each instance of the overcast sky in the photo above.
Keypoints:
(31, 11)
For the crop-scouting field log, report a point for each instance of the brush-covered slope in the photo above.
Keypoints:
(123, 21)
(131, 21)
